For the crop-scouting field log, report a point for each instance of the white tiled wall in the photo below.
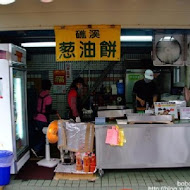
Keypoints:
(46, 63)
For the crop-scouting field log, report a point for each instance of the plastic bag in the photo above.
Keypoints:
(115, 136)
(6, 158)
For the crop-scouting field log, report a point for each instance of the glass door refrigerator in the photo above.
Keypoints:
(13, 110)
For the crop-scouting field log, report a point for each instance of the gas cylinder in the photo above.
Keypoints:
(78, 162)
(93, 163)
(86, 163)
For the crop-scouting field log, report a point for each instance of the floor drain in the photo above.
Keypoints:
(159, 180)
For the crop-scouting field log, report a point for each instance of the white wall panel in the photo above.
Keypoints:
(32, 14)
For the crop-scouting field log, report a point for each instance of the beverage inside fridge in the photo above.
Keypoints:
(13, 110)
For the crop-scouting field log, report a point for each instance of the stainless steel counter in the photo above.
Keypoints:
(147, 146)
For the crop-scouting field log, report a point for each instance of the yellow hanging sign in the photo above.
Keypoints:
(88, 43)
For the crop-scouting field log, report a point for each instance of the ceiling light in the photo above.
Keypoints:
(122, 39)
(6, 2)
(38, 44)
(136, 38)
(46, 1)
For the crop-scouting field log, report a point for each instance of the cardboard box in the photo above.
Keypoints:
(76, 137)
(185, 113)
(166, 108)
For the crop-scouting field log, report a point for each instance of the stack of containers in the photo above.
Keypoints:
(85, 163)
(93, 163)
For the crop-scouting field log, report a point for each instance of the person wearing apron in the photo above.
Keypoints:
(74, 101)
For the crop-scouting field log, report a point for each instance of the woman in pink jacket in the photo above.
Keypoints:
(41, 119)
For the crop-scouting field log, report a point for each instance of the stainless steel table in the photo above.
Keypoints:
(147, 146)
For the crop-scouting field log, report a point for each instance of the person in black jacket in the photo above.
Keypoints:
(145, 91)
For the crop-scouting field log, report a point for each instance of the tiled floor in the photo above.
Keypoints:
(142, 179)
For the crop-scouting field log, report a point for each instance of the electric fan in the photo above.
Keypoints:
(51, 137)
(168, 50)
(52, 132)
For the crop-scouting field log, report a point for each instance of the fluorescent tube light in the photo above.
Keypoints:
(46, 1)
(19, 106)
(38, 44)
(122, 39)
(136, 38)
(6, 2)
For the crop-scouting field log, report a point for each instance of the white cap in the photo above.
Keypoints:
(149, 74)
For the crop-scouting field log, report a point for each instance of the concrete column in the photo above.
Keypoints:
(187, 76)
